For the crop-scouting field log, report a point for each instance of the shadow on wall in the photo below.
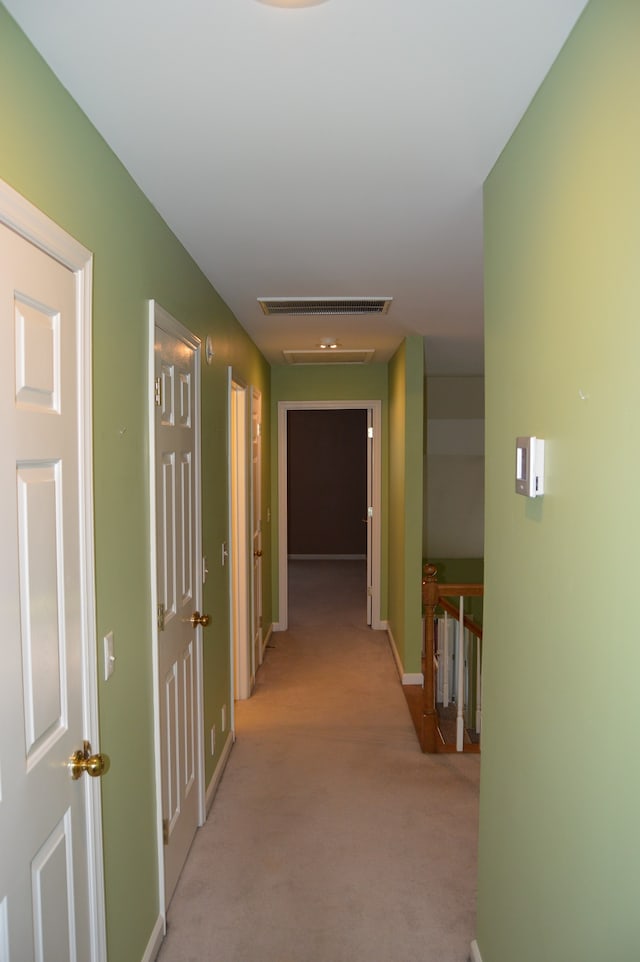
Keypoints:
(454, 469)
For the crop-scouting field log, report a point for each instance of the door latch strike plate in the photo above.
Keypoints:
(157, 392)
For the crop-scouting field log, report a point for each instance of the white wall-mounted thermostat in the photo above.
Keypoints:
(530, 467)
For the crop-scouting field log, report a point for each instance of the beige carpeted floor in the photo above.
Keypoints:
(332, 838)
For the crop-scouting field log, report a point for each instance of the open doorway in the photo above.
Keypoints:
(326, 509)
(366, 515)
(327, 485)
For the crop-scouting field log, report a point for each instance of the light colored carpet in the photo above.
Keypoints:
(332, 838)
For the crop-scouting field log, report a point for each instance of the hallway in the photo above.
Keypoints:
(332, 838)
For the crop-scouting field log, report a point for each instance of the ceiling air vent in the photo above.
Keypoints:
(324, 305)
(339, 355)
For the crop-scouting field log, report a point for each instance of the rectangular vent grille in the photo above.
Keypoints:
(302, 306)
(335, 356)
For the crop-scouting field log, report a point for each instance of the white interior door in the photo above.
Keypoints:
(179, 588)
(51, 902)
(256, 514)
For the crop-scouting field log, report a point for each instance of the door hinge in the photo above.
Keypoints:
(259, 429)
(369, 432)
(165, 831)
(161, 614)
(157, 392)
(370, 591)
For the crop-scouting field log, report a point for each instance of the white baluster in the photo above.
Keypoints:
(478, 685)
(467, 672)
(460, 712)
(437, 644)
(445, 662)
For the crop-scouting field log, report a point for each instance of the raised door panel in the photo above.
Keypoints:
(185, 527)
(52, 885)
(40, 564)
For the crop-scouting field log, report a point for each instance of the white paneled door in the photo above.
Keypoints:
(179, 588)
(256, 515)
(50, 867)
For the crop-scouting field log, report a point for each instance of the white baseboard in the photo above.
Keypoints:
(154, 943)
(212, 787)
(265, 642)
(406, 678)
(413, 678)
(475, 952)
(394, 652)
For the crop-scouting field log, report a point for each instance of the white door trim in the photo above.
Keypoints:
(158, 317)
(243, 670)
(29, 222)
(375, 409)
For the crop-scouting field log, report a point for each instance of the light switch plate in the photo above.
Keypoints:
(530, 467)
(109, 656)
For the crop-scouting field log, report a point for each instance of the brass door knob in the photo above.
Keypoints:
(198, 619)
(83, 761)
(258, 553)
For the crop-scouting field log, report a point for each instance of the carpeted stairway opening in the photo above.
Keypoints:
(332, 838)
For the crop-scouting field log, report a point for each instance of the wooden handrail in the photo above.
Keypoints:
(457, 591)
(469, 623)
(433, 596)
(430, 599)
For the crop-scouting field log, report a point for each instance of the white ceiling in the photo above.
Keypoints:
(334, 150)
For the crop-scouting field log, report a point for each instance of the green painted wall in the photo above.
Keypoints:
(406, 420)
(454, 468)
(559, 864)
(51, 154)
(324, 383)
(460, 570)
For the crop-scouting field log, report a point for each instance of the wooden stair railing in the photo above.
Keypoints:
(435, 596)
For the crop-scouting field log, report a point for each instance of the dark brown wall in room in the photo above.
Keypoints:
(327, 482)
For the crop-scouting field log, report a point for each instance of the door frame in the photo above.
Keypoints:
(158, 317)
(26, 220)
(374, 480)
(240, 518)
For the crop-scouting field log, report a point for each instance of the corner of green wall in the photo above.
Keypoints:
(559, 847)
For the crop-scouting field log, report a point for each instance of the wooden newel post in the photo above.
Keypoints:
(429, 728)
